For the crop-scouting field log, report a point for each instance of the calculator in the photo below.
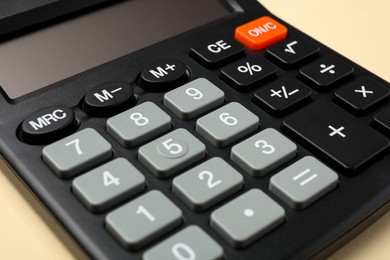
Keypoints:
(191, 129)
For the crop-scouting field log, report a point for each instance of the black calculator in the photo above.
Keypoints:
(190, 129)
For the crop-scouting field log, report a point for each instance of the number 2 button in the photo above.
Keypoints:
(76, 153)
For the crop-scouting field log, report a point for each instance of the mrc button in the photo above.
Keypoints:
(163, 75)
(48, 124)
(260, 33)
(109, 98)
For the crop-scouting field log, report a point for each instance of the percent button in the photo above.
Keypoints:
(248, 72)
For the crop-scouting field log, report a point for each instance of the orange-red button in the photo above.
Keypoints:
(260, 33)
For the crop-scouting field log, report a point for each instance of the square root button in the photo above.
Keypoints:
(304, 182)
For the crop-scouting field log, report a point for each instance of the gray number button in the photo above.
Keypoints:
(138, 124)
(303, 182)
(190, 243)
(227, 124)
(171, 153)
(193, 98)
(76, 153)
(248, 217)
(108, 184)
(143, 220)
(207, 184)
(263, 152)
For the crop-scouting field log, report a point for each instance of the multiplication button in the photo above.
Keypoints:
(194, 98)
(263, 152)
(304, 182)
(171, 153)
(143, 220)
(138, 124)
(247, 218)
(227, 124)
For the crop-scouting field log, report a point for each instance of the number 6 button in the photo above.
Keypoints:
(76, 153)
(263, 152)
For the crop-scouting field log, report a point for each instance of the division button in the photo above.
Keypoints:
(303, 182)
(325, 72)
(247, 218)
(48, 125)
(190, 243)
(260, 33)
(362, 95)
(336, 136)
(248, 72)
(109, 98)
(143, 220)
(163, 75)
(217, 51)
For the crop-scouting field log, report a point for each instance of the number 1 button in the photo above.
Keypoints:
(76, 153)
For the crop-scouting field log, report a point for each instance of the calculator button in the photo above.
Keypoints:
(109, 98)
(217, 51)
(260, 33)
(48, 124)
(227, 124)
(143, 220)
(382, 121)
(304, 182)
(108, 184)
(76, 153)
(248, 72)
(292, 52)
(207, 184)
(138, 124)
(325, 72)
(263, 152)
(190, 243)
(194, 98)
(362, 94)
(336, 135)
(171, 153)
(282, 96)
(247, 218)
(163, 75)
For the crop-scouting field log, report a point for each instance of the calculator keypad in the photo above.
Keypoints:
(138, 124)
(227, 124)
(76, 153)
(144, 219)
(108, 184)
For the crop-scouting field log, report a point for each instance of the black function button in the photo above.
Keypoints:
(336, 136)
(325, 72)
(282, 96)
(109, 98)
(217, 52)
(164, 75)
(248, 72)
(361, 95)
(292, 52)
(48, 124)
(382, 121)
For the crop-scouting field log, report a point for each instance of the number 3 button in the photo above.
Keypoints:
(263, 152)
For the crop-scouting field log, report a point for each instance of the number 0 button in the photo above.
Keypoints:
(76, 153)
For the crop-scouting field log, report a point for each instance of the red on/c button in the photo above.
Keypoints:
(260, 33)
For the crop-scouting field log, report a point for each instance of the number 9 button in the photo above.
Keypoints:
(194, 98)
(263, 152)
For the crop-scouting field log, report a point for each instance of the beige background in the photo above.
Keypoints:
(357, 29)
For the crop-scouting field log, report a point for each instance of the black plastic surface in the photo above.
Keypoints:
(303, 234)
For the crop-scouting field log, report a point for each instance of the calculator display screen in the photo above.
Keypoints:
(35, 60)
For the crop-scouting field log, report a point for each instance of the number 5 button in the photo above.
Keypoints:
(263, 152)
(76, 153)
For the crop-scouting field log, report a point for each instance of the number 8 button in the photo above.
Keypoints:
(263, 152)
